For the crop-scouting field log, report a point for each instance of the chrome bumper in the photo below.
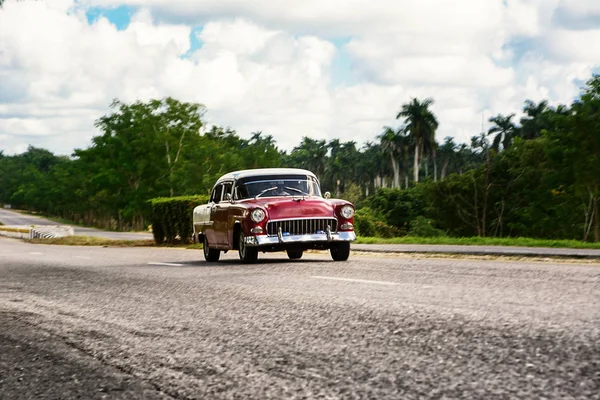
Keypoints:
(263, 240)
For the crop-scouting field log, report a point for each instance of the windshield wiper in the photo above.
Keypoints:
(265, 191)
(296, 190)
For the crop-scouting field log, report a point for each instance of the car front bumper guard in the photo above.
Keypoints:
(264, 240)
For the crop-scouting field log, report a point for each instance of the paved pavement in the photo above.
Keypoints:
(160, 323)
(8, 217)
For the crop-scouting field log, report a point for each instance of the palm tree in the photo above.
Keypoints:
(504, 129)
(341, 164)
(310, 154)
(421, 124)
(388, 147)
(447, 155)
(395, 145)
(370, 167)
(534, 121)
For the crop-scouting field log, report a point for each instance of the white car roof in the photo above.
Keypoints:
(264, 172)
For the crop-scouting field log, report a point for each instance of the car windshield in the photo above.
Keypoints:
(277, 188)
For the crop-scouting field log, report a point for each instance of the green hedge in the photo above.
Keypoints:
(172, 217)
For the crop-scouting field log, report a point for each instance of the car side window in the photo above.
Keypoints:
(227, 188)
(216, 194)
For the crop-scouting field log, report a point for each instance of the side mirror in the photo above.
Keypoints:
(327, 195)
(228, 197)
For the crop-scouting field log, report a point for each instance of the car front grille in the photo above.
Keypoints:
(302, 226)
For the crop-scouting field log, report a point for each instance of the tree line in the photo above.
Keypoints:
(538, 176)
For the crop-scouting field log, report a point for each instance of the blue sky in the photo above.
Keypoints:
(119, 16)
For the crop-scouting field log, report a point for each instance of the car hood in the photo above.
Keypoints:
(296, 207)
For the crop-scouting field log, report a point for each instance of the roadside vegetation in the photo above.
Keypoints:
(92, 241)
(536, 176)
(481, 241)
(18, 230)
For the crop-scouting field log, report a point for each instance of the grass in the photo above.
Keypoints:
(98, 241)
(93, 241)
(19, 230)
(481, 241)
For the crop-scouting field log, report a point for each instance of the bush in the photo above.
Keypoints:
(424, 227)
(397, 207)
(352, 193)
(369, 223)
(364, 222)
(172, 217)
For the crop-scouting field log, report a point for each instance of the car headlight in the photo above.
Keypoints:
(347, 212)
(257, 215)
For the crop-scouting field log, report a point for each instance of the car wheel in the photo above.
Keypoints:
(248, 255)
(295, 254)
(340, 251)
(210, 255)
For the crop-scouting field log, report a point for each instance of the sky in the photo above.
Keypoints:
(319, 68)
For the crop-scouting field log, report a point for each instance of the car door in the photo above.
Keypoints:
(212, 227)
(221, 215)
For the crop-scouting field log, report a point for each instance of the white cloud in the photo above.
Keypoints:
(267, 65)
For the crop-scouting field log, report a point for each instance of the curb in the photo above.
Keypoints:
(11, 234)
(552, 252)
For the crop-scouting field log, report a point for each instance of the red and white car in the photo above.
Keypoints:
(273, 209)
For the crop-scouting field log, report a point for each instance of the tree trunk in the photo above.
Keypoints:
(396, 169)
(486, 193)
(416, 164)
(434, 169)
(596, 220)
(405, 180)
(444, 169)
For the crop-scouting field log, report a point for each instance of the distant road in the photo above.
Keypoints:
(157, 323)
(8, 217)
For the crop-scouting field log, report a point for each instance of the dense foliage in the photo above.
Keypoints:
(172, 217)
(538, 177)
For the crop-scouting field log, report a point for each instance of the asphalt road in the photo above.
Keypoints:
(133, 323)
(8, 217)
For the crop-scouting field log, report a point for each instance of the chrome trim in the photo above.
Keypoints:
(301, 226)
(300, 219)
(264, 240)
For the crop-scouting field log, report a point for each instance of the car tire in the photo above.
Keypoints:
(295, 254)
(210, 255)
(340, 251)
(248, 255)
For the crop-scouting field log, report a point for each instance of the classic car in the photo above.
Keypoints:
(273, 209)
